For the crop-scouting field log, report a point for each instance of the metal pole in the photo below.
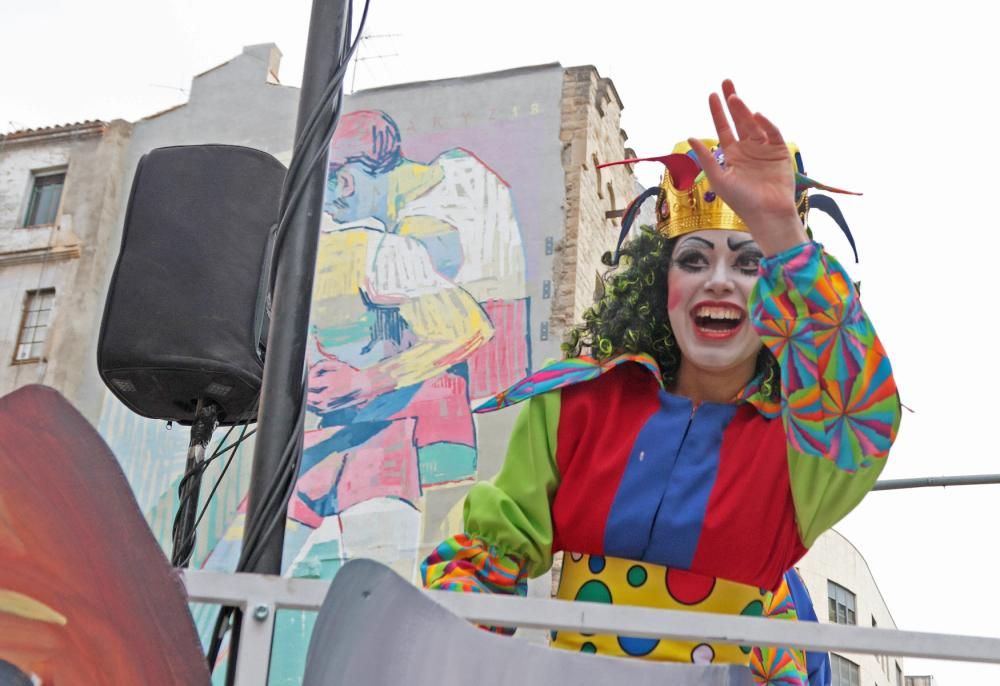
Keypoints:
(931, 481)
(281, 394)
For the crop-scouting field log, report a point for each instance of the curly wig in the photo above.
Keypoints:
(629, 314)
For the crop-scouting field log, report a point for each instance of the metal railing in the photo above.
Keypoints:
(261, 596)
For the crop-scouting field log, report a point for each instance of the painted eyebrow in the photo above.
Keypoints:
(710, 244)
(734, 245)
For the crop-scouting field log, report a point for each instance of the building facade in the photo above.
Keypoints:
(59, 193)
(845, 592)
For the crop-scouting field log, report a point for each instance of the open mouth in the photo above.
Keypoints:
(717, 320)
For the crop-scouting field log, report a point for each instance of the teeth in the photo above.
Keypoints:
(718, 312)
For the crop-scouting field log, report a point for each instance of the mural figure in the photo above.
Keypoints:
(419, 308)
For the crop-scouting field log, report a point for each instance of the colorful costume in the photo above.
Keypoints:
(658, 502)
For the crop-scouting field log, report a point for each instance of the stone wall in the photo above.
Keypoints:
(591, 134)
(71, 255)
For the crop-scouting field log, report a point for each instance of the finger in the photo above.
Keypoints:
(721, 121)
(770, 130)
(746, 126)
(728, 88)
(709, 164)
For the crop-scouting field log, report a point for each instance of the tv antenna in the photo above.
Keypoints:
(361, 47)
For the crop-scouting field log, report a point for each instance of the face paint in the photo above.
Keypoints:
(708, 286)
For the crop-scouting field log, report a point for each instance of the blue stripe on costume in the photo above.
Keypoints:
(641, 489)
(682, 513)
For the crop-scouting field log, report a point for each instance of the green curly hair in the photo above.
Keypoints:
(631, 315)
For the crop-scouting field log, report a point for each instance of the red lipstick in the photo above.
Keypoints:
(717, 320)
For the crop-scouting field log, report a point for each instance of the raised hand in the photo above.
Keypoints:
(757, 179)
(334, 384)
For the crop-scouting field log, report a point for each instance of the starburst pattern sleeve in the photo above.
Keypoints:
(839, 404)
(508, 522)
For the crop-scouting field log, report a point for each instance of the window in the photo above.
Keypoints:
(845, 672)
(842, 604)
(46, 191)
(34, 325)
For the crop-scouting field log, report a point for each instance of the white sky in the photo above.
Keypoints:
(895, 100)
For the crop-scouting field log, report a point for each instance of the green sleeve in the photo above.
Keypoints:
(513, 512)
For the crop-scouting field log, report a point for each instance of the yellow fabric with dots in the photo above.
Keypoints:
(626, 582)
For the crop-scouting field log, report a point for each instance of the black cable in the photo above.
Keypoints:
(279, 494)
(232, 454)
(283, 485)
(332, 97)
(190, 487)
(273, 509)
(295, 180)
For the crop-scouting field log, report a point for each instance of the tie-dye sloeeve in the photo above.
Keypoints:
(631, 480)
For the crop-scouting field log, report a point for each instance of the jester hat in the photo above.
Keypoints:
(686, 202)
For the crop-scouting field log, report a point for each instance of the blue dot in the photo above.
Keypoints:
(596, 564)
(637, 647)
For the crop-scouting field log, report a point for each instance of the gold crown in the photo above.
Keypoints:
(687, 203)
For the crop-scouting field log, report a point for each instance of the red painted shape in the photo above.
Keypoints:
(598, 424)
(72, 539)
(503, 361)
(749, 533)
(440, 409)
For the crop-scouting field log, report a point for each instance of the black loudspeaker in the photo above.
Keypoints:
(185, 317)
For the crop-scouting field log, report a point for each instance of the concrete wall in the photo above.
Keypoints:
(70, 255)
(834, 558)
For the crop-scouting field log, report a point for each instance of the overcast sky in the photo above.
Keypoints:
(898, 103)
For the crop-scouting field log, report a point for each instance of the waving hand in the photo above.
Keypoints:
(757, 179)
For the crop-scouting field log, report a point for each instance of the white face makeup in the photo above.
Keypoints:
(708, 285)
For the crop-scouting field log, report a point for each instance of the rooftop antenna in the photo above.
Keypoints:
(169, 88)
(359, 58)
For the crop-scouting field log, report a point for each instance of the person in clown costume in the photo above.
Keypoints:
(724, 403)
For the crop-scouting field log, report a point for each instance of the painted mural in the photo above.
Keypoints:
(419, 309)
(427, 299)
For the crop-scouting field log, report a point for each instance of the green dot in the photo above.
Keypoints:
(754, 609)
(594, 592)
(636, 576)
(588, 647)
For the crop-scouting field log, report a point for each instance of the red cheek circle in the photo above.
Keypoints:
(674, 298)
(688, 588)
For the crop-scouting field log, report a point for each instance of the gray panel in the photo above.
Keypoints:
(376, 629)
